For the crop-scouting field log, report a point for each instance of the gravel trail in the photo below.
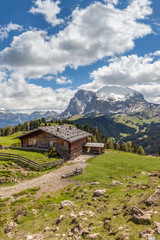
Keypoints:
(50, 182)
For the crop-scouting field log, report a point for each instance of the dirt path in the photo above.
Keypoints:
(49, 182)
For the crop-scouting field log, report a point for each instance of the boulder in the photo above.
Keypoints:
(94, 183)
(147, 234)
(157, 227)
(125, 236)
(35, 237)
(46, 229)
(94, 236)
(72, 215)
(154, 198)
(67, 203)
(115, 183)
(61, 217)
(76, 229)
(141, 216)
(10, 226)
(98, 193)
(84, 232)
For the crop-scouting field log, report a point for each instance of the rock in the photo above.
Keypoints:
(90, 213)
(55, 229)
(115, 183)
(46, 229)
(125, 236)
(94, 236)
(72, 215)
(67, 203)
(61, 217)
(154, 198)
(70, 234)
(147, 234)
(154, 174)
(35, 237)
(85, 190)
(157, 227)
(106, 224)
(76, 229)
(94, 183)
(84, 232)
(98, 193)
(81, 214)
(156, 212)
(140, 216)
(34, 211)
(10, 227)
(9, 235)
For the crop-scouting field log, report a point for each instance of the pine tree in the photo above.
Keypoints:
(110, 144)
(141, 150)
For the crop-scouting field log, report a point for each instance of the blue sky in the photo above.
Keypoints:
(49, 49)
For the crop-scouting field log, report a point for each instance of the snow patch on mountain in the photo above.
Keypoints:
(110, 93)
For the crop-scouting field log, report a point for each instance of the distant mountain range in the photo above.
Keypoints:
(109, 100)
(9, 118)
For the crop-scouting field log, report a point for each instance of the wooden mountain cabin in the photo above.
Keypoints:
(68, 141)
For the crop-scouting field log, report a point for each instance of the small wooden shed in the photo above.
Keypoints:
(96, 148)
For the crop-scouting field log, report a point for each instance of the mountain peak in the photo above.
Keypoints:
(113, 93)
(108, 100)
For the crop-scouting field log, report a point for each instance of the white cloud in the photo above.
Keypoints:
(49, 9)
(140, 73)
(150, 91)
(18, 93)
(115, 2)
(4, 31)
(98, 31)
(63, 80)
(59, 80)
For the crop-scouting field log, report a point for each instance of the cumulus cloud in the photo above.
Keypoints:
(63, 80)
(115, 2)
(16, 92)
(150, 91)
(4, 31)
(95, 32)
(140, 73)
(49, 9)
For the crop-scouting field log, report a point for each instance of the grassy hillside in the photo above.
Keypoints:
(8, 140)
(39, 157)
(107, 125)
(108, 215)
(118, 166)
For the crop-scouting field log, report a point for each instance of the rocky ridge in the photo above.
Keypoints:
(109, 100)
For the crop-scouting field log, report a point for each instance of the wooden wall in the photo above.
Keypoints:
(42, 139)
(76, 148)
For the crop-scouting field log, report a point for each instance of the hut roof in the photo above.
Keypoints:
(98, 145)
(66, 132)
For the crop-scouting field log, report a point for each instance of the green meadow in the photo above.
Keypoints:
(118, 165)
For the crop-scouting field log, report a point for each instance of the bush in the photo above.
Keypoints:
(52, 153)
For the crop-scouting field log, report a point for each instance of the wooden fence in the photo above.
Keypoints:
(30, 163)
(15, 145)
